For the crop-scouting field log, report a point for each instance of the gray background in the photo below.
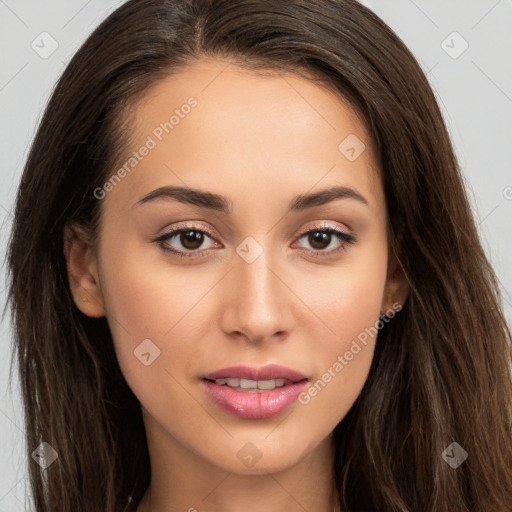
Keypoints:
(473, 86)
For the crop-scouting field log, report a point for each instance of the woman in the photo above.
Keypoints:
(245, 274)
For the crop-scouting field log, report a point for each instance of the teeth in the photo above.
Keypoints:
(248, 384)
(251, 384)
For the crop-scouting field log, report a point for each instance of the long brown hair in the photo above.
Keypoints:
(442, 368)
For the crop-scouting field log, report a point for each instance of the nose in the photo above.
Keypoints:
(258, 303)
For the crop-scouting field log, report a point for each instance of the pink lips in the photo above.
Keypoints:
(255, 404)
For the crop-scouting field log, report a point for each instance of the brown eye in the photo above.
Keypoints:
(319, 239)
(191, 239)
(186, 242)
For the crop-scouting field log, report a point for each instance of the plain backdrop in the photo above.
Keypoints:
(463, 46)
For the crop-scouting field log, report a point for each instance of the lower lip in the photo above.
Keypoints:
(255, 405)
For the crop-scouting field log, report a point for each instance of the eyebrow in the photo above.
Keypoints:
(223, 205)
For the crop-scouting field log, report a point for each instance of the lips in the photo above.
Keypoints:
(253, 392)
(258, 373)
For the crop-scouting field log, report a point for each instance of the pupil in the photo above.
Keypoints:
(319, 237)
(191, 239)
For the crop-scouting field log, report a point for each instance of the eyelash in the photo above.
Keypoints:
(343, 237)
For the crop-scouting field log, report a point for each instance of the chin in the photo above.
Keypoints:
(259, 456)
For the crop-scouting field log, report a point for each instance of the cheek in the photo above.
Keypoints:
(350, 309)
(148, 299)
(344, 360)
(348, 296)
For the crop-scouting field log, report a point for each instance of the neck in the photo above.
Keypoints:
(182, 480)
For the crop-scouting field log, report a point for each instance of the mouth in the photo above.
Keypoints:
(268, 372)
(254, 392)
(253, 386)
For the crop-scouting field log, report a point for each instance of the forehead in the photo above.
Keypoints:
(220, 127)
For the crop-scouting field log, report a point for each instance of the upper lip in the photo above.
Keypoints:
(268, 372)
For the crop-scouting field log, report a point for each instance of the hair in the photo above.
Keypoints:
(441, 371)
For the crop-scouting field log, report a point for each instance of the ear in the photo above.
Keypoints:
(396, 289)
(82, 268)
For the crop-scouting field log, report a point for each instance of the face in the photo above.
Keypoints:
(282, 260)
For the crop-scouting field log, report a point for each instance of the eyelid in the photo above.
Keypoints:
(323, 226)
(187, 226)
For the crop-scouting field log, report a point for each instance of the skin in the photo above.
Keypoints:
(260, 142)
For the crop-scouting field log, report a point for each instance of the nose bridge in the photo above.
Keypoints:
(257, 306)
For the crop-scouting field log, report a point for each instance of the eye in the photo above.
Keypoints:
(321, 237)
(189, 238)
